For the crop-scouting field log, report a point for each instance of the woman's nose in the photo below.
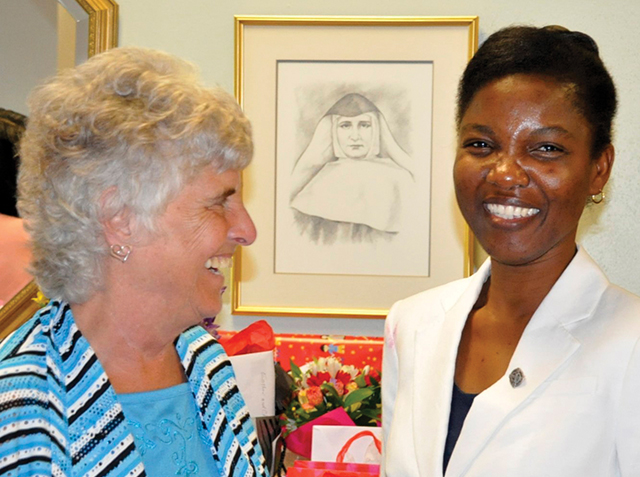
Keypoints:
(507, 173)
(243, 230)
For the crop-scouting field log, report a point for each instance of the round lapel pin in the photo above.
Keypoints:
(516, 378)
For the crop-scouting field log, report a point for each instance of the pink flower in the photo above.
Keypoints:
(339, 387)
(309, 398)
(314, 395)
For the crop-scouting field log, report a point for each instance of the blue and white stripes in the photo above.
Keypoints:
(60, 416)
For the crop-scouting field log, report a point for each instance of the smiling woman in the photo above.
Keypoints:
(129, 187)
(481, 372)
(524, 147)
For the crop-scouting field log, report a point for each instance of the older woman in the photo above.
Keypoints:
(531, 366)
(130, 189)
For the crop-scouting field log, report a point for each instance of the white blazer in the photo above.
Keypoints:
(577, 413)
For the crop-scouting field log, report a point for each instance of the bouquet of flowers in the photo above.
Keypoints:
(325, 385)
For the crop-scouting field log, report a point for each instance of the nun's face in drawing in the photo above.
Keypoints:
(355, 135)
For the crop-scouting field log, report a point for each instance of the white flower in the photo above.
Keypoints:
(332, 365)
(350, 370)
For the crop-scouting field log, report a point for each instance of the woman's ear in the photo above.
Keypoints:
(118, 226)
(602, 169)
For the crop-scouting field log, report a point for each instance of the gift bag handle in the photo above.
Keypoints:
(347, 445)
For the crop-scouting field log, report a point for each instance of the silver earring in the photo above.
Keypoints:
(121, 252)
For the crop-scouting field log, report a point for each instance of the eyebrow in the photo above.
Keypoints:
(477, 127)
(488, 130)
(553, 129)
(223, 195)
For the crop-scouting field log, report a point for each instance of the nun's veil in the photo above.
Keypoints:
(322, 149)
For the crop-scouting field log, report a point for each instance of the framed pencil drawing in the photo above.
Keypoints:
(350, 187)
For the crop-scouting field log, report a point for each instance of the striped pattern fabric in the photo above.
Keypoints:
(59, 415)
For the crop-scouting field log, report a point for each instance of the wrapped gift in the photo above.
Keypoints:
(352, 350)
(340, 467)
(358, 351)
(332, 469)
(251, 354)
(357, 444)
(300, 440)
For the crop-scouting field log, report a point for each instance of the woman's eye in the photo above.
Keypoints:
(549, 148)
(547, 151)
(477, 147)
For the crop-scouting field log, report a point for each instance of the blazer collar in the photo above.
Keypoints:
(545, 345)
(436, 343)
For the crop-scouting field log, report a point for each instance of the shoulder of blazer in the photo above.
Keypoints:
(430, 304)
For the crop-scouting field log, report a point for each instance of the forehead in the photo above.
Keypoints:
(211, 183)
(355, 119)
(528, 96)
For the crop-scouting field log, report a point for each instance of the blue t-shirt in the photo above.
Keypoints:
(168, 432)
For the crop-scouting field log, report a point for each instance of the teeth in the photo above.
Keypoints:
(216, 263)
(511, 212)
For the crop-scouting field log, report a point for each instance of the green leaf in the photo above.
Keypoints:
(371, 413)
(296, 372)
(332, 394)
(357, 396)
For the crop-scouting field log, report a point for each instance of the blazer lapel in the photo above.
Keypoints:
(544, 347)
(436, 348)
(538, 356)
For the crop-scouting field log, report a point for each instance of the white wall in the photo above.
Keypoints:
(202, 31)
(28, 42)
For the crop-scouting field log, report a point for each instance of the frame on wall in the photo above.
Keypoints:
(349, 222)
(97, 31)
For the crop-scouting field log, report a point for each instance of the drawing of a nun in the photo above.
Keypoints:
(349, 182)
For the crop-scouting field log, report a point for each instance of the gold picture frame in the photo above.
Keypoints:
(103, 24)
(276, 56)
(101, 35)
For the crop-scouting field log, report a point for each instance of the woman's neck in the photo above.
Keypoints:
(497, 321)
(516, 291)
(129, 340)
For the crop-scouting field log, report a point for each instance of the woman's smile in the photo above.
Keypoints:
(510, 212)
(524, 168)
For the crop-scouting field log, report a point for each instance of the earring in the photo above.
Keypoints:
(597, 198)
(121, 252)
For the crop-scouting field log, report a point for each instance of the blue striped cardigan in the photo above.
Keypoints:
(59, 415)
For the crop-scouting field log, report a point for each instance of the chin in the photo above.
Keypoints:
(509, 254)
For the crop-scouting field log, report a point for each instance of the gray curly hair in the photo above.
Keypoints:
(134, 121)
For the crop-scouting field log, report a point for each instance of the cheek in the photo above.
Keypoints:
(366, 135)
(465, 179)
(207, 234)
(567, 188)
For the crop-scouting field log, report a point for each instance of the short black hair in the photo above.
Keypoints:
(568, 57)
